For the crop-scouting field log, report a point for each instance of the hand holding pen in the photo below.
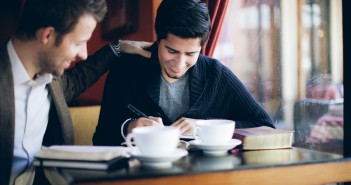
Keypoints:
(143, 119)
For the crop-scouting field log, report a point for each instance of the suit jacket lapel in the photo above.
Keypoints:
(64, 115)
(7, 115)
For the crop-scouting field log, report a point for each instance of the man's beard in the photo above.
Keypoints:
(47, 65)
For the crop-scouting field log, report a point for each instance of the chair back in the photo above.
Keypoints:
(84, 119)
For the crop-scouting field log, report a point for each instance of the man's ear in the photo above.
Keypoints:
(46, 35)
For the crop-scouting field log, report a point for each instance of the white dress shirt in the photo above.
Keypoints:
(32, 104)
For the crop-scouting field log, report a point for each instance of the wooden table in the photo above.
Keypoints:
(286, 166)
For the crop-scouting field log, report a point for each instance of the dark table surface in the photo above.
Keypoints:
(196, 163)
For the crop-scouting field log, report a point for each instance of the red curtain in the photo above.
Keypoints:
(217, 9)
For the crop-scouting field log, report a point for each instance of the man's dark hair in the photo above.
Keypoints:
(63, 15)
(183, 18)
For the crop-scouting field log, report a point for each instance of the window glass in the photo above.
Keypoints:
(289, 56)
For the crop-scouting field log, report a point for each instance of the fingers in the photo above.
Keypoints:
(146, 44)
(184, 126)
(150, 121)
(186, 129)
(145, 53)
(156, 119)
(178, 122)
(144, 122)
(135, 47)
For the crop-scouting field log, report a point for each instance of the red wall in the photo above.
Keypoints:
(145, 32)
(9, 17)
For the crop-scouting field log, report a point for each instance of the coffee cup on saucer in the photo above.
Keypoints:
(214, 131)
(154, 141)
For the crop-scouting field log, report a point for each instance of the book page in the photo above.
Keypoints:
(262, 130)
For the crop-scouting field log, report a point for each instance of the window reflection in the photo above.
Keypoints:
(289, 56)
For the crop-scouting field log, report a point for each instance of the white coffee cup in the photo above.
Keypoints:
(214, 131)
(155, 141)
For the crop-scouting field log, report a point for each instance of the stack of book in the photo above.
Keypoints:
(82, 157)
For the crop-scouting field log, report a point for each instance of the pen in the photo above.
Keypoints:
(136, 111)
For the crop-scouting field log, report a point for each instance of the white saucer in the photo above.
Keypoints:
(186, 137)
(159, 162)
(215, 149)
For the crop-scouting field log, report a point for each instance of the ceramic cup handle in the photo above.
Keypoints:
(195, 131)
(129, 140)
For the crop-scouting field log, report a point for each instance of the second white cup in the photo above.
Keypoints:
(214, 132)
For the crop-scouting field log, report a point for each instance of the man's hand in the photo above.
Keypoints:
(185, 125)
(135, 47)
(142, 122)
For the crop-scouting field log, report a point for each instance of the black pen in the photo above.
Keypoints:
(136, 111)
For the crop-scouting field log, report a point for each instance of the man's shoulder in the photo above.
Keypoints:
(131, 60)
(131, 67)
(211, 64)
(208, 61)
(213, 67)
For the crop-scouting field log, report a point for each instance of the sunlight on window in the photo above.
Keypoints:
(253, 43)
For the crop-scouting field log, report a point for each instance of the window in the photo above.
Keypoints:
(289, 56)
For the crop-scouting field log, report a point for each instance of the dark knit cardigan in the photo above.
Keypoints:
(215, 92)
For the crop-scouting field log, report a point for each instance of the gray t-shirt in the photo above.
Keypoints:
(174, 97)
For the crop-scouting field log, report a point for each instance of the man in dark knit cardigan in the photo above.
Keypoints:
(177, 86)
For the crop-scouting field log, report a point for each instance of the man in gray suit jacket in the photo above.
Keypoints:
(34, 82)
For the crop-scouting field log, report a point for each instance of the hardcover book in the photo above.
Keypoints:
(82, 157)
(260, 138)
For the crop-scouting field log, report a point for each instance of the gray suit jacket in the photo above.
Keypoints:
(62, 89)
